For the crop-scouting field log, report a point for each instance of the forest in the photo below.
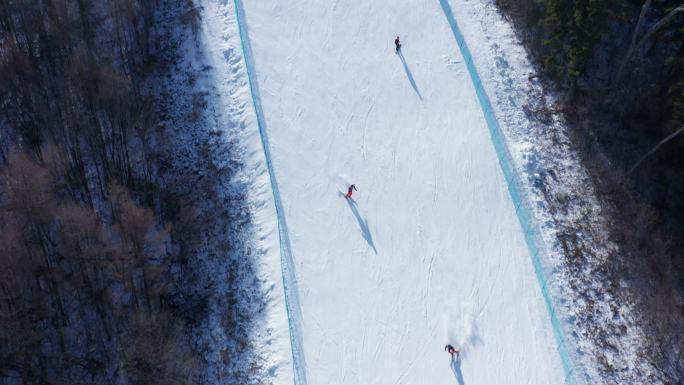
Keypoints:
(617, 70)
(98, 231)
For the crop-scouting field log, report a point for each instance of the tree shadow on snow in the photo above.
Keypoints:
(409, 74)
(363, 224)
(456, 368)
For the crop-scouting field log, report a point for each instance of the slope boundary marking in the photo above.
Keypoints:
(534, 243)
(289, 277)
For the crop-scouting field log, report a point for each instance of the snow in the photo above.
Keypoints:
(225, 56)
(206, 104)
(431, 251)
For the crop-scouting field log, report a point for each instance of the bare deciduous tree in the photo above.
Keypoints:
(636, 43)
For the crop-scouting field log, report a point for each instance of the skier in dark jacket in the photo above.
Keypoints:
(451, 350)
(397, 43)
(349, 192)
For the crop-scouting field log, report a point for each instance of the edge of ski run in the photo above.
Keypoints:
(286, 259)
(534, 244)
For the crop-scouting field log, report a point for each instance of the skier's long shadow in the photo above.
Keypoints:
(456, 368)
(409, 74)
(363, 224)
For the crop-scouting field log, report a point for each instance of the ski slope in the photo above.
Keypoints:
(430, 251)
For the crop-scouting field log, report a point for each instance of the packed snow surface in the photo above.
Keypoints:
(430, 250)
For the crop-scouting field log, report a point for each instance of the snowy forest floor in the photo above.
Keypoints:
(202, 101)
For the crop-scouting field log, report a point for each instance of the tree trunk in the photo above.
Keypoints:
(635, 46)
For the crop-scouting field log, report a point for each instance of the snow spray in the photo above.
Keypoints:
(460, 328)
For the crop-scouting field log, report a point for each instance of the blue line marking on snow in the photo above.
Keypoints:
(286, 258)
(514, 189)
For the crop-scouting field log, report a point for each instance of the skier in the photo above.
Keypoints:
(349, 192)
(451, 350)
(397, 44)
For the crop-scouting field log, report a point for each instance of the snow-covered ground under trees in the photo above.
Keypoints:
(435, 248)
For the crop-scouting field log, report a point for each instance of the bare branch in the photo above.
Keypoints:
(636, 46)
(655, 148)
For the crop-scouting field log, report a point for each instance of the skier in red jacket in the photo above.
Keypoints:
(349, 192)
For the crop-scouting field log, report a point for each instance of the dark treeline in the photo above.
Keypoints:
(69, 77)
(88, 256)
(619, 68)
